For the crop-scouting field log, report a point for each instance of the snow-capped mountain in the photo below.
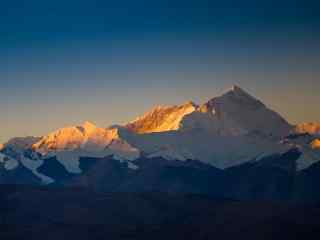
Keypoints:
(227, 131)
(87, 136)
(233, 113)
(70, 143)
(237, 113)
(161, 119)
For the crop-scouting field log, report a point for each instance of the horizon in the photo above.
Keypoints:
(64, 63)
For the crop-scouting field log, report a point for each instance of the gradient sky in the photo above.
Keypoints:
(64, 62)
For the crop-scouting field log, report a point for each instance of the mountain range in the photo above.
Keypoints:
(231, 146)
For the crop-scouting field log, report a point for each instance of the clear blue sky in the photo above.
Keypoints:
(64, 62)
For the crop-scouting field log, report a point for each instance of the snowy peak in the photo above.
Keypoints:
(87, 136)
(69, 144)
(237, 112)
(161, 119)
(89, 127)
(237, 91)
(235, 99)
(65, 138)
(311, 128)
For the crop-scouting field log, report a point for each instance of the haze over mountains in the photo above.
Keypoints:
(224, 138)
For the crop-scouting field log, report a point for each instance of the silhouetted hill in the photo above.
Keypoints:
(76, 213)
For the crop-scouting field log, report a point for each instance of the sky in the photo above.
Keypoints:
(65, 62)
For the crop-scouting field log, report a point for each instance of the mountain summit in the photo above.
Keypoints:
(235, 112)
(87, 136)
(161, 119)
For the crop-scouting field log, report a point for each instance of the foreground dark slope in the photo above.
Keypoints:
(48, 213)
(271, 178)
